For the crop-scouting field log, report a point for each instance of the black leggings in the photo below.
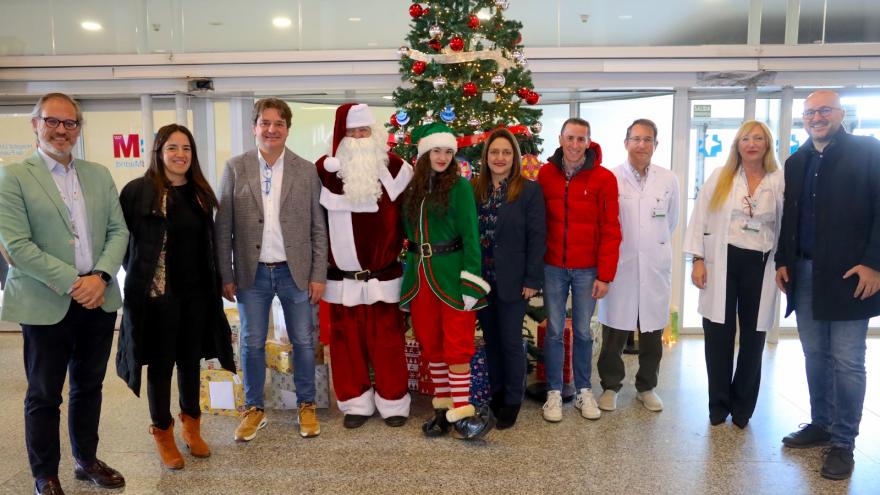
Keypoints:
(159, 392)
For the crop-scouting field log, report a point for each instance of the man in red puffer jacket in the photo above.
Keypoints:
(583, 244)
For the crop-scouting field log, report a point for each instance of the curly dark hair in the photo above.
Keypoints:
(433, 188)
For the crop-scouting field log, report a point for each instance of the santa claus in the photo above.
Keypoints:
(361, 187)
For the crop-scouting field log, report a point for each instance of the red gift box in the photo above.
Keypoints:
(567, 335)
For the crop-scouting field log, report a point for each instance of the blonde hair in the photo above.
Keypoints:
(734, 162)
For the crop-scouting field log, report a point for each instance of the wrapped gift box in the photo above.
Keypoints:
(221, 392)
(481, 392)
(282, 391)
(279, 356)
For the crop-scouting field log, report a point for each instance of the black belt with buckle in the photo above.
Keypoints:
(428, 249)
(334, 273)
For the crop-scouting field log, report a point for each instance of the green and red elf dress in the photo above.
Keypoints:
(443, 262)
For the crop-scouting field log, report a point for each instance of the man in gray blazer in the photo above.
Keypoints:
(272, 241)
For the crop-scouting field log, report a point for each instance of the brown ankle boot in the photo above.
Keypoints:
(192, 436)
(168, 452)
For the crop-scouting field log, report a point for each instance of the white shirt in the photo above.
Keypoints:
(752, 218)
(71, 194)
(272, 246)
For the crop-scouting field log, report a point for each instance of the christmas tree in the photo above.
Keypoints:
(464, 66)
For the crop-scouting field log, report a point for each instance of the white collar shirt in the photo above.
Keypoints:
(71, 194)
(271, 178)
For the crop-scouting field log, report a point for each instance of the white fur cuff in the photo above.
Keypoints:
(470, 277)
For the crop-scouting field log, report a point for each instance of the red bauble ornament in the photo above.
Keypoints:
(435, 44)
(426, 12)
(469, 89)
(416, 11)
(473, 22)
(418, 67)
(394, 120)
(532, 98)
(523, 93)
(456, 43)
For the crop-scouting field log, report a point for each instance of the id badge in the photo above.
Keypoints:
(658, 212)
(752, 226)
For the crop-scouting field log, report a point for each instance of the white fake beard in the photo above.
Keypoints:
(361, 161)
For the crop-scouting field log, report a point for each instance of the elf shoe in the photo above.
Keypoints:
(468, 424)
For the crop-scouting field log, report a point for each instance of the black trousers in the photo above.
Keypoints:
(80, 343)
(502, 329)
(174, 332)
(736, 393)
(610, 364)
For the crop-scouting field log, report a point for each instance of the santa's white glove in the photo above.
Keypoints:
(469, 302)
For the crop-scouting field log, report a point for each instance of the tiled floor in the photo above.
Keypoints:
(629, 451)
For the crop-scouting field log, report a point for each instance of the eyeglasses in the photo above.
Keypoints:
(267, 180)
(643, 140)
(823, 111)
(53, 123)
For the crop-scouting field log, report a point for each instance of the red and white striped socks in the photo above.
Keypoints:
(460, 388)
(440, 378)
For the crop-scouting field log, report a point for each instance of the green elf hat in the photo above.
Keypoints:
(434, 135)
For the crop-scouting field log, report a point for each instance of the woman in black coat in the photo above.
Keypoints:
(172, 313)
(512, 233)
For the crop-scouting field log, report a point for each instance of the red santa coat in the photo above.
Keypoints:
(365, 237)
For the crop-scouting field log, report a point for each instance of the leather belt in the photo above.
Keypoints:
(273, 264)
(427, 249)
(334, 273)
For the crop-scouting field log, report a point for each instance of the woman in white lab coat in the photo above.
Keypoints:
(638, 298)
(731, 236)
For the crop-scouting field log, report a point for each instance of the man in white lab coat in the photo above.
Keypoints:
(638, 298)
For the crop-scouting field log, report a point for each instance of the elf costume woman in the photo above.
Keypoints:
(442, 286)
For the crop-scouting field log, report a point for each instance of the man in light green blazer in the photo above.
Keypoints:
(63, 230)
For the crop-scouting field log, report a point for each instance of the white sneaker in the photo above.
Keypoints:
(587, 404)
(553, 406)
(650, 400)
(608, 400)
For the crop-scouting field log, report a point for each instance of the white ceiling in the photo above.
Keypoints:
(47, 27)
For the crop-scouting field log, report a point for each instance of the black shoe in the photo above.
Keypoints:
(474, 427)
(741, 423)
(395, 421)
(436, 425)
(808, 436)
(99, 473)
(717, 419)
(507, 416)
(838, 463)
(50, 486)
(354, 420)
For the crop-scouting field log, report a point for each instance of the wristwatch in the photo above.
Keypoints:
(697, 258)
(105, 277)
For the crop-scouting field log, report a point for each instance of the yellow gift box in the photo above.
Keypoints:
(221, 392)
(279, 356)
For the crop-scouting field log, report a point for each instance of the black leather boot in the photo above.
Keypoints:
(436, 425)
(474, 427)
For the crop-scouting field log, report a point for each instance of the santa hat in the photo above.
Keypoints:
(434, 135)
(348, 116)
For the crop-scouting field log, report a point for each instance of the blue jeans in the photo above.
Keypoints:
(557, 283)
(834, 352)
(254, 305)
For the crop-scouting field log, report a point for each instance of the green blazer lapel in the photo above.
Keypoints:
(38, 169)
(94, 201)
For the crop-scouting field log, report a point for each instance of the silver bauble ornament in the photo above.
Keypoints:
(403, 51)
(474, 122)
(537, 127)
(439, 82)
(435, 32)
(498, 80)
(502, 4)
(517, 56)
(400, 136)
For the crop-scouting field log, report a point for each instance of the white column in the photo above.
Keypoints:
(792, 21)
(181, 104)
(755, 10)
(203, 132)
(147, 127)
(750, 102)
(681, 131)
(785, 123)
(241, 127)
